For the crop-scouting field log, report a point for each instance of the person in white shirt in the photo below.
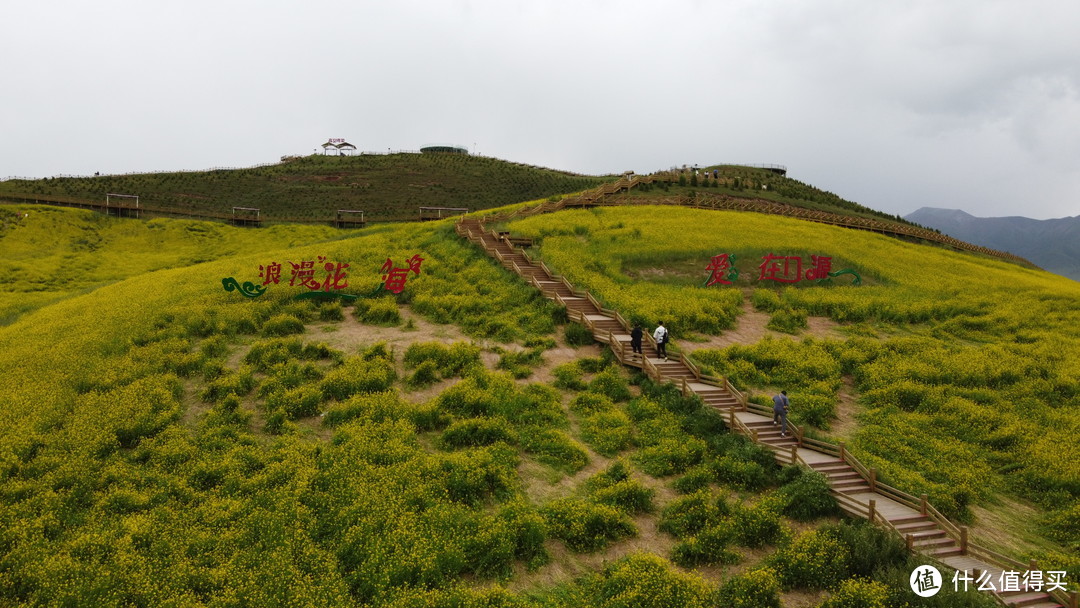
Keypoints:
(661, 337)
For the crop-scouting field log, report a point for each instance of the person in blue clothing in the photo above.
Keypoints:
(780, 410)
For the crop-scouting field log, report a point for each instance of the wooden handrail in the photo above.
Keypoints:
(846, 503)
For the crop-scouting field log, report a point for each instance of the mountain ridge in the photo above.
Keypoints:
(1053, 244)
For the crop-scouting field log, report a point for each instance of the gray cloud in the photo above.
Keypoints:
(968, 104)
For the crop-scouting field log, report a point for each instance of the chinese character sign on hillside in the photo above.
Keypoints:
(394, 277)
(780, 268)
(304, 274)
(322, 277)
(723, 269)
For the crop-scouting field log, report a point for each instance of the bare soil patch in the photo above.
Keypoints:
(750, 328)
(351, 335)
(845, 424)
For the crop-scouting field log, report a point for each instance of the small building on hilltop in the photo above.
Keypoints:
(444, 149)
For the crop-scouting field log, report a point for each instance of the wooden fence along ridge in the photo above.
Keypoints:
(602, 195)
(856, 488)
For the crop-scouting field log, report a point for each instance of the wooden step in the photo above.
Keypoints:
(845, 476)
(945, 552)
(916, 526)
(908, 519)
(829, 465)
(1028, 599)
(853, 489)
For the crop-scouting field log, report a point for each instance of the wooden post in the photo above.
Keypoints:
(963, 540)
(922, 504)
(753, 434)
(731, 423)
(1074, 599)
(794, 454)
(843, 452)
(873, 509)
(910, 540)
(873, 480)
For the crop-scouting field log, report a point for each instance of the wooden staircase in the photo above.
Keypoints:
(925, 531)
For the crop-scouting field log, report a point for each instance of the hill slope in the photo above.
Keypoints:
(1052, 244)
(164, 441)
(313, 188)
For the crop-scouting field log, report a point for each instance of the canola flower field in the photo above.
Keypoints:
(161, 444)
(966, 367)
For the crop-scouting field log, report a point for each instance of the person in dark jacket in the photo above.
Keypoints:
(635, 338)
(780, 410)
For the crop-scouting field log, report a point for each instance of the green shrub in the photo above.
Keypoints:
(766, 300)
(743, 474)
(473, 476)
(870, 548)
(528, 531)
(643, 580)
(695, 479)
(589, 403)
(425, 374)
(331, 311)
(670, 456)
(788, 320)
(813, 409)
(608, 432)
(759, 525)
(372, 407)
(378, 311)
(568, 376)
(629, 496)
(758, 588)
(358, 375)
(592, 365)
(265, 354)
(805, 494)
(615, 472)
(450, 361)
(858, 593)
(238, 383)
(577, 334)
(520, 363)
(299, 402)
(814, 560)
(708, 547)
(282, 325)
(215, 346)
(276, 422)
(289, 375)
(475, 432)
(1063, 525)
(554, 448)
(611, 384)
(688, 515)
(586, 526)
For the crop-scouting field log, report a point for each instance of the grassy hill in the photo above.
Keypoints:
(313, 188)
(164, 442)
(756, 183)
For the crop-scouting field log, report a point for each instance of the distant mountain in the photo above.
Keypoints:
(1052, 244)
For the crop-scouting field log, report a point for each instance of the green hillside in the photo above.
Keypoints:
(164, 442)
(51, 253)
(756, 183)
(312, 188)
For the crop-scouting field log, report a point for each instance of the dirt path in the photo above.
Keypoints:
(750, 328)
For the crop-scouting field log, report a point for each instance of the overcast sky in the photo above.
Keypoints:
(897, 105)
